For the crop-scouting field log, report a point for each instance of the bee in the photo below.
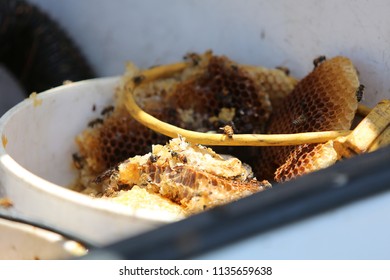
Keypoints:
(317, 61)
(300, 120)
(138, 79)
(153, 158)
(5, 202)
(95, 122)
(228, 130)
(107, 110)
(105, 175)
(93, 107)
(359, 92)
(77, 161)
(234, 67)
(182, 158)
(284, 69)
(193, 57)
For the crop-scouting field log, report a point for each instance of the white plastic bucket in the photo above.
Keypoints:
(19, 241)
(38, 139)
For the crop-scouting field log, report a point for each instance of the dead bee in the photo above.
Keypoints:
(107, 110)
(105, 175)
(284, 69)
(138, 79)
(234, 67)
(5, 202)
(193, 57)
(360, 92)
(153, 158)
(95, 122)
(300, 120)
(77, 161)
(317, 61)
(174, 154)
(228, 130)
(182, 158)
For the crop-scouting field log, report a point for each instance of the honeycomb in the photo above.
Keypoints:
(190, 175)
(216, 88)
(117, 136)
(323, 100)
(115, 139)
(305, 159)
(275, 82)
(211, 93)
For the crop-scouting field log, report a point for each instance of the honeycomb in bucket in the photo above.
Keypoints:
(211, 92)
(114, 139)
(220, 92)
(190, 175)
(324, 100)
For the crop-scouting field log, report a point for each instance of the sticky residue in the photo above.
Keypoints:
(35, 99)
(67, 82)
(5, 202)
(4, 140)
(75, 248)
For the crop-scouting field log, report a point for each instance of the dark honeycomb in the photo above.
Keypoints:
(221, 84)
(116, 139)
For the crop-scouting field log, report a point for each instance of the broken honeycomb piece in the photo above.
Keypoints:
(192, 176)
(323, 100)
(141, 202)
(307, 158)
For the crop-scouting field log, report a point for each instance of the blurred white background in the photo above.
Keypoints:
(269, 33)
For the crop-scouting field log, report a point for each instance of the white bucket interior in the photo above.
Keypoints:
(261, 32)
(41, 136)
